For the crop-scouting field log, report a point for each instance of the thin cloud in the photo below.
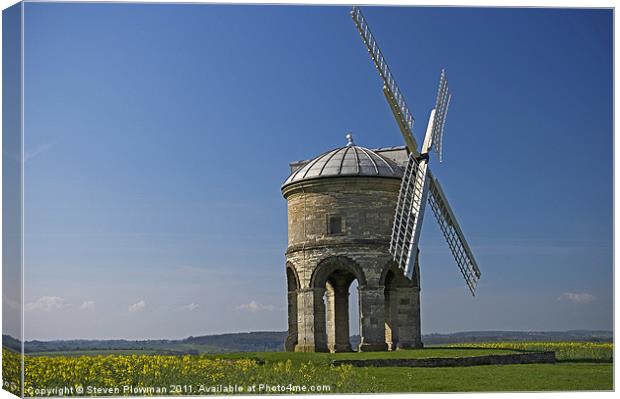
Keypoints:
(137, 307)
(46, 304)
(577, 297)
(29, 154)
(87, 305)
(191, 307)
(254, 307)
(11, 303)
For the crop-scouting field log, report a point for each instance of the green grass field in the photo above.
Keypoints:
(520, 377)
(583, 366)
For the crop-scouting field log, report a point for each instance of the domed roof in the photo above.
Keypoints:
(351, 160)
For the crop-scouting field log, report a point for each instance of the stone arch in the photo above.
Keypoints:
(292, 278)
(293, 286)
(401, 306)
(394, 276)
(329, 265)
(331, 281)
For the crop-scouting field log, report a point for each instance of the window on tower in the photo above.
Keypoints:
(334, 225)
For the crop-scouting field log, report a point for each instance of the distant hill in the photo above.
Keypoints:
(11, 343)
(273, 341)
(261, 341)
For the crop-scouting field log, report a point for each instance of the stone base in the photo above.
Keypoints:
(290, 344)
(310, 348)
(378, 347)
(341, 348)
(409, 345)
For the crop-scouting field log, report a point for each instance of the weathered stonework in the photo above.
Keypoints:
(322, 264)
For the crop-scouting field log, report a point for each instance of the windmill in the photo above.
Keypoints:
(418, 184)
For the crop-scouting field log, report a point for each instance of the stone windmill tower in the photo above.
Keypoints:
(340, 210)
(356, 214)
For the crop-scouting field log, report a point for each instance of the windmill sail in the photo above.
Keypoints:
(409, 215)
(410, 206)
(404, 117)
(453, 234)
(417, 180)
(441, 111)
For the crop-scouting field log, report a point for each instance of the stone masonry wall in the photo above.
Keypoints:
(516, 358)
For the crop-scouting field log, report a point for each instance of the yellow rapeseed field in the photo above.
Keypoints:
(601, 351)
(11, 370)
(124, 375)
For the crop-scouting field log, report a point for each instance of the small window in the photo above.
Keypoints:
(334, 225)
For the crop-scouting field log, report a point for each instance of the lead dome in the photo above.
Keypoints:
(350, 160)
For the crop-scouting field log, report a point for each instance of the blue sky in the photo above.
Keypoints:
(157, 138)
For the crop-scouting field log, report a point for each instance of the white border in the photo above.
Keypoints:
(470, 3)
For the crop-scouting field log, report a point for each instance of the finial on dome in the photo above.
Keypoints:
(350, 139)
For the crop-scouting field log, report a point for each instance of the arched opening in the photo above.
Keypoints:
(336, 277)
(292, 287)
(391, 311)
(400, 306)
(337, 310)
(354, 311)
